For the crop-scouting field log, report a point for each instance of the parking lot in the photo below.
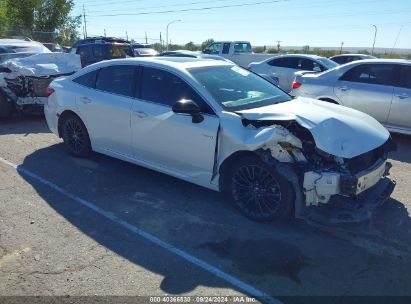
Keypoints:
(105, 227)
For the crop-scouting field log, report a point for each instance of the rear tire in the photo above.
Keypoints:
(258, 191)
(75, 136)
(6, 107)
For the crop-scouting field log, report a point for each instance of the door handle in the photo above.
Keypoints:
(85, 100)
(402, 96)
(140, 114)
(343, 88)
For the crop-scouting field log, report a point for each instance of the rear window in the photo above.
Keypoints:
(88, 79)
(120, 51)
(117, 79)
(242, 47)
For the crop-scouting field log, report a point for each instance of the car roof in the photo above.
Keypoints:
(105, 43)
(387, 61)
(343, 55)
(179, 63)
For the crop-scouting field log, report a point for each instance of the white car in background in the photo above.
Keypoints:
(379, 87)
(282, 68)
(215, 124)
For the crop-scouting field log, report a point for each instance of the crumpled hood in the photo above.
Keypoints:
(44, 64)
(336, 129)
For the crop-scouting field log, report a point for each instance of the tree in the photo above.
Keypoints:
(206, 43)
(190, 46)
(3, 19)
(42, 19)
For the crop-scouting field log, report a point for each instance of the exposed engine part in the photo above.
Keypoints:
(319, 187)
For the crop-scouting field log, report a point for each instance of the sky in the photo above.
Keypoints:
(317, 23)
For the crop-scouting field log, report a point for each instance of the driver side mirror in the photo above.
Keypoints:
(188, 107)
(206, 51)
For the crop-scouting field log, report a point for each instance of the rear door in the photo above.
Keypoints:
(368, 88)
(400, 114)
(168, 140)
(107, 108)
(283, 69)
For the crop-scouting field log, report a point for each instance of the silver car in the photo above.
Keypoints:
(378, 87)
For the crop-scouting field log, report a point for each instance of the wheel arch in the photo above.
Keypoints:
(223, 168)
(330, 100)
(64, 114)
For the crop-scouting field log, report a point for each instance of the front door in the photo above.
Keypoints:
(168, 140)
(400, 114)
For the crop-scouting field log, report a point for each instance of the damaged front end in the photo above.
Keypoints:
(329, 189)
(24, 81)
(27, 93)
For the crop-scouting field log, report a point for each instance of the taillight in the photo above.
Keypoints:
(49, 91)
(296, 84)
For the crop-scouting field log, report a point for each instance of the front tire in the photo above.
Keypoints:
(258, 191)
(75, 136)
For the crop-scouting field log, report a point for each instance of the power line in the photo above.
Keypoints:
(159, 6)
(194, 9)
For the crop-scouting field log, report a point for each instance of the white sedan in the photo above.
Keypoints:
(220, 126)
(282, 68)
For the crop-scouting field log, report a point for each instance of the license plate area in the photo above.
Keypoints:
(366, 180)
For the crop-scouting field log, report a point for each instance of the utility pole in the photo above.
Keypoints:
(278, 45)
(161, 43)
(105, 35)
(126, 36)
(342, 44)
(146, 36)
(85, 22)
(375, 36)
(178, 20)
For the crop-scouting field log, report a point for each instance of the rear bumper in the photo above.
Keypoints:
(353, 209)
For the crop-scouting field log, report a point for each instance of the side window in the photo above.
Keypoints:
(242, 47)
(215, 48)
(88, 79)
(172, 89)
(382, 74)
(226, 48)
(84, 52)
(286, 62)
(405, 77)
(118, 79)
(116, 52)
(308, 64)
(98, 52)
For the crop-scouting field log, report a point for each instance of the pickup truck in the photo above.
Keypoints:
(239, 52)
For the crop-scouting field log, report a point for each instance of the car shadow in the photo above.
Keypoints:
(403, 153)
(23, 124)
(199, 222)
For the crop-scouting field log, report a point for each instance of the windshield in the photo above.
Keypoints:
(235, 88)
(329, 64)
